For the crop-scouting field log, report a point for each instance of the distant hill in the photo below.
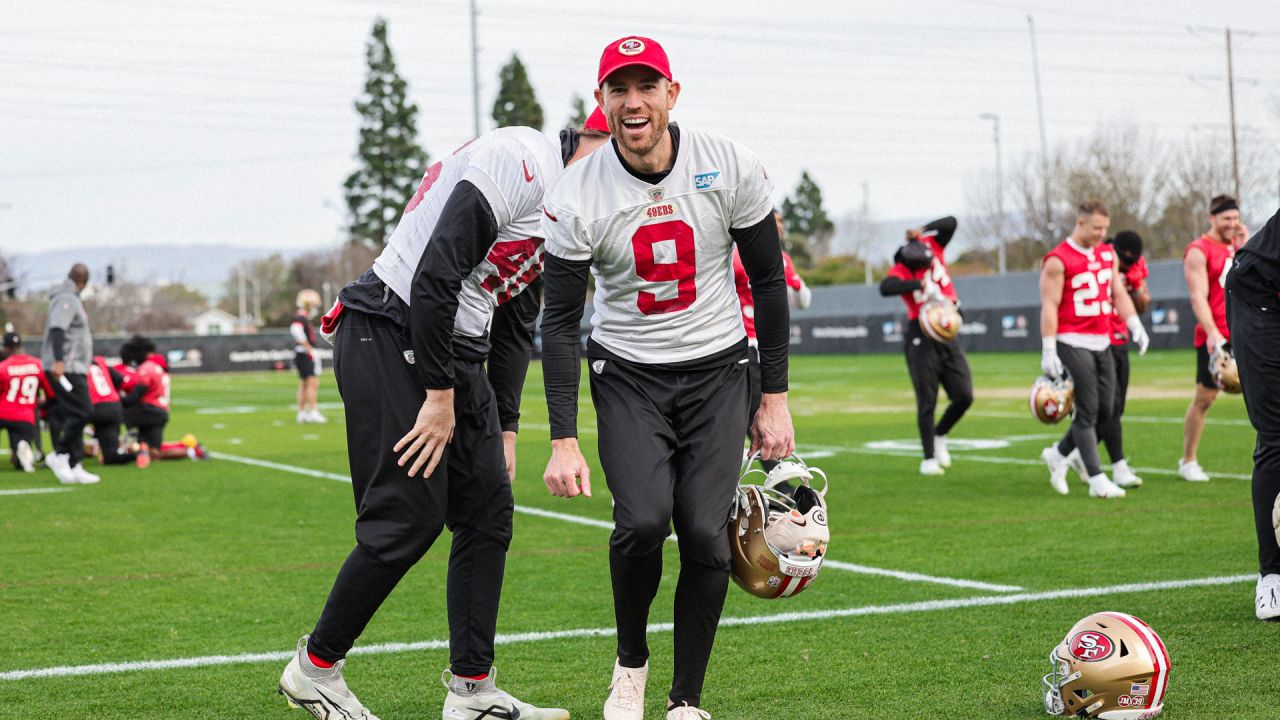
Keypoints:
(203, 267)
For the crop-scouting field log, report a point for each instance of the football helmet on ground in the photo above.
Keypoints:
(1052, 399)
(777, 539)
(1222, 365)
(1111, 666)
(940, 320)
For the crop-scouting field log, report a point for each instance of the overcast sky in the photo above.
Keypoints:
(231, 121)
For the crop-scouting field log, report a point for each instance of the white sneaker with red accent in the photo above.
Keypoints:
(483, 699)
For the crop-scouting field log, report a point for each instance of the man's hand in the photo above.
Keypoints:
(566, 469)
(509, 452)
(59, 368)
(931, 289)
(431, 432)
(1050, 363)
(771, 433)
(1215, 340)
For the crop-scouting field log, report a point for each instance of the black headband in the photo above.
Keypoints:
(1224, 206)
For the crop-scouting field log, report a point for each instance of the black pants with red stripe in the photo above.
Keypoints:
(671, 447)
(398, 517)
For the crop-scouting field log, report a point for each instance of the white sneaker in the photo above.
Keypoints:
(84, 477)
(1057, 469)
(1076, 463)
(314, 416)
(60, 464)
(320, 691)
(687, 712)
(940, 451)
(476, 699)
(1191, 471)
(26, 457)
(626, 693)
(1124, 476)
(1268, 597)
(303, 417)
(1100, 486)
(931, 466)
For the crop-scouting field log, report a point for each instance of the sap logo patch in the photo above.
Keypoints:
(705, 180)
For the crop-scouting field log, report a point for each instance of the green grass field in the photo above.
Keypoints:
(187, 561)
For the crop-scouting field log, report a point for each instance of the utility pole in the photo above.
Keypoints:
(866, 230)
(1001, 260)
(475, 74)
(243, 303)
(1044, 141)
(1231, 96)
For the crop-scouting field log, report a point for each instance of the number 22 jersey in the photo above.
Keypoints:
(661, 253)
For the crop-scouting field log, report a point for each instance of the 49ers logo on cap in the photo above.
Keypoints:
(1090, 646)
(631, 46)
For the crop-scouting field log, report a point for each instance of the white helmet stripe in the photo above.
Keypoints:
(1156, 650)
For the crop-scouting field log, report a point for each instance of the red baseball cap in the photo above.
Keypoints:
(596, 121)
(633, 50)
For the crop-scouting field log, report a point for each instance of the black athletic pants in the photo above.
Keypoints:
(399, 517)
(1255, 340)
(1109, 432)
(19, 431)
(930, 362)
(671, 446)
(68, 414)
(106, 419)
(1094, 376)
(149, 421)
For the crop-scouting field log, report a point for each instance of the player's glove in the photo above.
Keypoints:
(804, 296)
(1139, 334)
(1050, 363)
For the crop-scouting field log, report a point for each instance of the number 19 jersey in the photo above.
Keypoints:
(661, 254)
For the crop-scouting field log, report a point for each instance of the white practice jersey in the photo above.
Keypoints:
(661, 254)
(512, 167)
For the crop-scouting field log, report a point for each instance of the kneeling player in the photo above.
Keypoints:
(146, 406)
(108, 413)
(22, 378)
(919, 274)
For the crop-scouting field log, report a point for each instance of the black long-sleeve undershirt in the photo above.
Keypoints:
(891, 286)
(511, 346)
(761, 253)
(945, 227)
(463, 234)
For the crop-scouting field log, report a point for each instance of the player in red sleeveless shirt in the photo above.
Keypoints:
(801, 295)
(919, 274)
(22, 379)
(1205, 264)
(108, 412)
(1079, 284)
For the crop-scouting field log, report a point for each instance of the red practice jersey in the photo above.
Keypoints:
(1085, 307)
(937, 272)
(1218, 257)
(1133, 279)
(21, 378)
(101, 389)
(129, 377)
(742, 283)
(156, 381)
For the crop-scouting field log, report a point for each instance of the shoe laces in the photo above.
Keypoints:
(626, 689)
(688, 712)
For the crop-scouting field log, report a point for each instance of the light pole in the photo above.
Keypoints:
(1001, 261)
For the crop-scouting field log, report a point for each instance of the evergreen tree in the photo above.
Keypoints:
(391, 161)
(579, 116)
(808, 227)
(516, 103)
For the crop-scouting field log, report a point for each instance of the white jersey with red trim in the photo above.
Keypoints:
(661, 254)
(512, 167)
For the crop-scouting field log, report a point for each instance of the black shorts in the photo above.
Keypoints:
(306, 366)
(1203, 376)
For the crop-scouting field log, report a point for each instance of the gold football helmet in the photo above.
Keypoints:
(308, 300)
(1052, 399)
(1111, 666)
(778, 539)
(940, 320)
(1222, 365)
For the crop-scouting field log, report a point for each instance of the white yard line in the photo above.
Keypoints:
(606, 525)
(1154, 419)
(511, 639)
(35, 491)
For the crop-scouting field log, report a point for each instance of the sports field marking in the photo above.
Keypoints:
(606, 525)
(1161, 420)
(35, 491)
(511, 639)
(994, 459)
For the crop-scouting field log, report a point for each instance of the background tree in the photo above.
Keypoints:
(391, 162)
(578, 117)
(809, 229)
(516, 103)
